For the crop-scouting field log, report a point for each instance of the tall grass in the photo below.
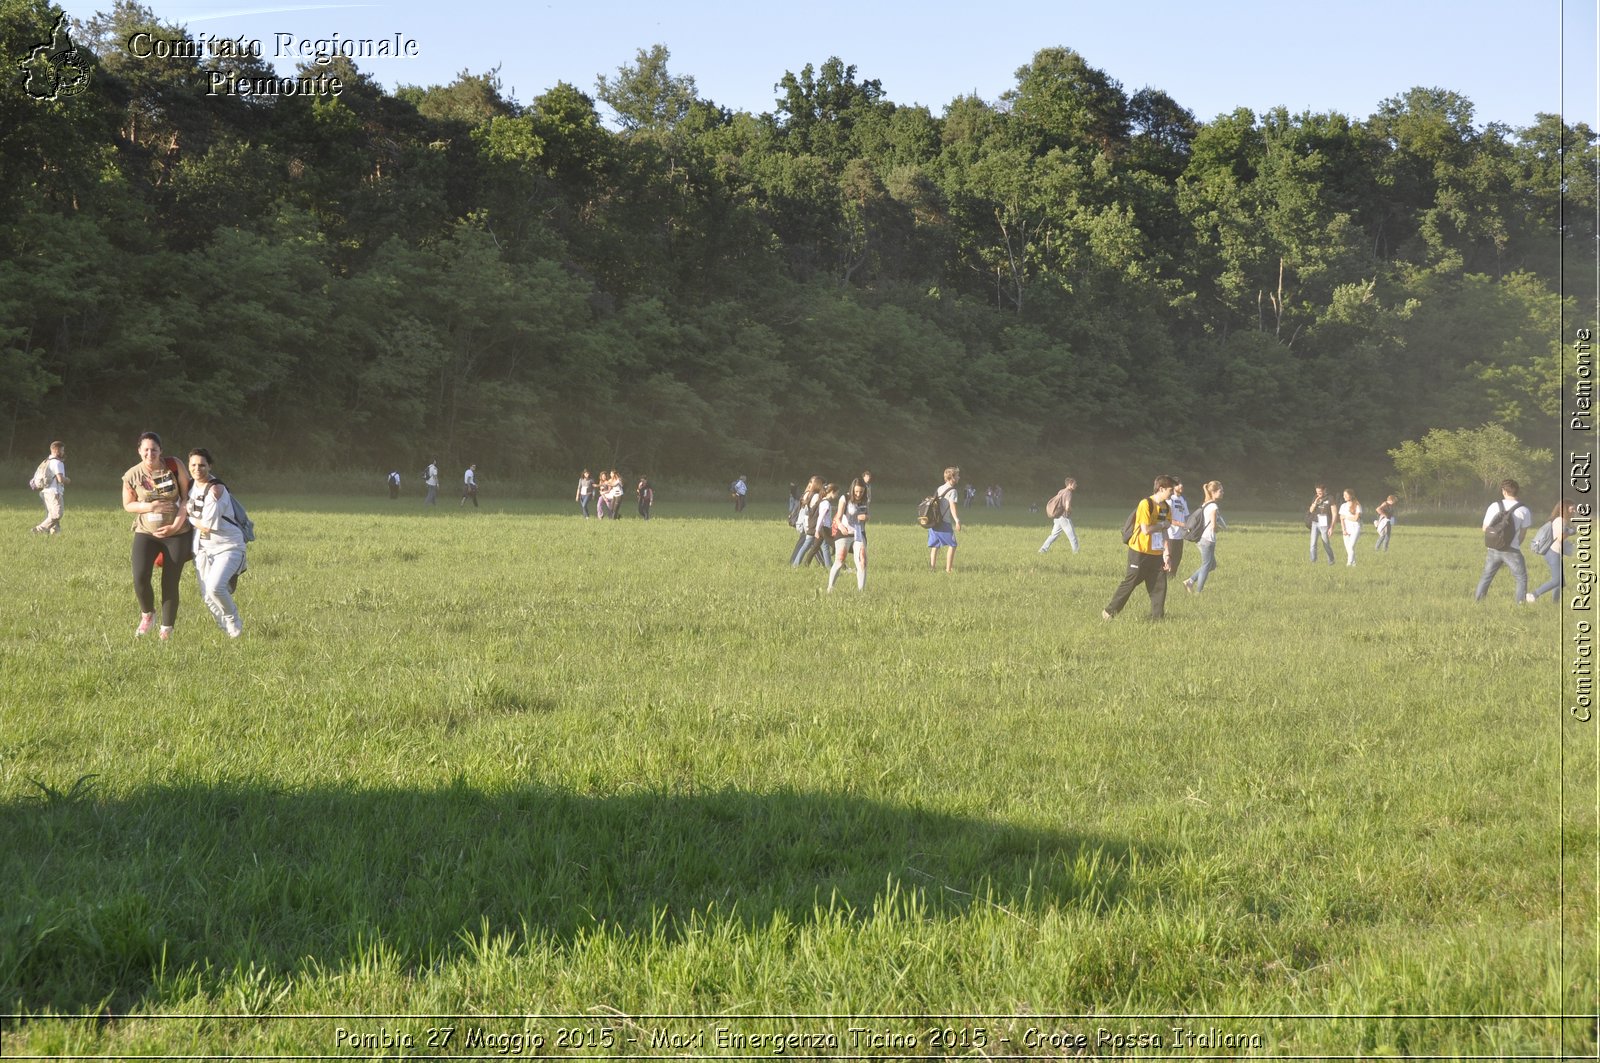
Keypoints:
(510, 762)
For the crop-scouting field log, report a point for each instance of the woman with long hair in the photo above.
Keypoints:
(1559, 546)
(1210, 518)
(153, 491)
(1350, 524)
(218, 542)
(851, 523)
(805, 520)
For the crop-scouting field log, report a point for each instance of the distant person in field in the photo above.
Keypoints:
(52, 474)
(1059, 510)
(646, 496)
(942, 532)
(394, 483)
(585, 493)
(805, 521)
(1147, 553)
(1210, 518)
(1508, 519)
(614, 494)
(1319, 518)
(1384, 522)
(430, 479)
(469, 486)
(739, 490)
(1178, 506)
(154, 491)
(218, 542)
(866, 479)
(602, 488)
(1350, 525)
(850, 530)
(1551, 543)
(972, 492)
(794, 500)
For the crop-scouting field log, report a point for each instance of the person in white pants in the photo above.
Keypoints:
(1350, 524)
(218, 542)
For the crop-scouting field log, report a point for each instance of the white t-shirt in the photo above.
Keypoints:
(53, 469)
(1208, 518)
(469, 480)
(1350, 517)
(1521, 516)
(431, 478)
(1179, 507)
(207, 503)
(824, 515)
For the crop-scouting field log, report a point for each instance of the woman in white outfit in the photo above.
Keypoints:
(1350, 524)
(852, 524)
(218, 542)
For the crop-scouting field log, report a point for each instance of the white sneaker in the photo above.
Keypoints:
(1529, 598)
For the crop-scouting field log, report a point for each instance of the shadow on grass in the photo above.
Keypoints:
(103, 893)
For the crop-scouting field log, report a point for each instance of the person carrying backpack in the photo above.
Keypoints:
(1059, 510)
(1552, 543)
(942, 531)
(1504, 523)
(218, 542)
(1147, 561)
(51, 480)
(1209, 520)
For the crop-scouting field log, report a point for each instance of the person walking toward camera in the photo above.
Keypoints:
(1210, 518)
(1059, 510)
(1504, 523)
(646, 496)
(1350, 525)
(739, 490)
(1147, 561)
(1384, 521)
(52, 480)
(218, 542)
(942, 532)
(1319, 518)
(154, 491)
(851, 529)
(585, 490)
(394, 484)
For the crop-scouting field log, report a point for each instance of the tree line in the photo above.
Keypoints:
(1071, 277)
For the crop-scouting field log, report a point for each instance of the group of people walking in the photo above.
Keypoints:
(1323, 515)
(182, 515)
(1156, 532)
(605, 494)
(1505, 524)
(832, 526)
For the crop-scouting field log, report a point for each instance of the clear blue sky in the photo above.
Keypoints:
(1510, 59)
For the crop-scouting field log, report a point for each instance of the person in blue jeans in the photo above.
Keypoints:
(1559, 546)
(1210, 518)
(1320, 513)
(1509, 556)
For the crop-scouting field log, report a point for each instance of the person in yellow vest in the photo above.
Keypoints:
(1147, 556)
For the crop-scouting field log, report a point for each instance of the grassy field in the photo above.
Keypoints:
(477, 766)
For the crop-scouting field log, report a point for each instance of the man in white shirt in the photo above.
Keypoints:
(430, 479)
(1517, 520)
(54, 492)
(469, 486)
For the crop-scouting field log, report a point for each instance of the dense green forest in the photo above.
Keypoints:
(1073, 276)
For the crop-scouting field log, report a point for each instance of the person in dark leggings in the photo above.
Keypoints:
(153, 491)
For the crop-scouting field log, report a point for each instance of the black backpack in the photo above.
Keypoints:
(1502, 529)
(929, 511)
(1196, 526)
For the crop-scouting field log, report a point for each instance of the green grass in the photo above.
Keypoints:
(513, 763)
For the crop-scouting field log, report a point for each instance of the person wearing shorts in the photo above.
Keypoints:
(942, 533)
